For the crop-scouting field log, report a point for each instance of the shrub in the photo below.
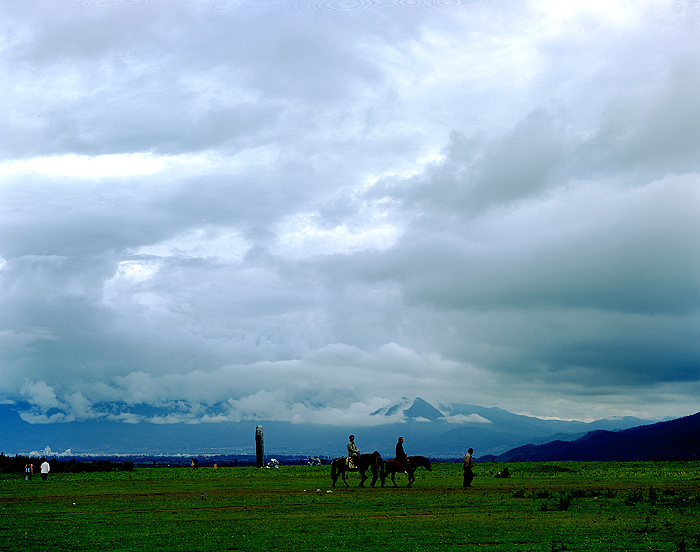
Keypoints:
(563, 502)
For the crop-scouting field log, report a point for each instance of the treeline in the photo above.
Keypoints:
(77, 464)
(17, 464)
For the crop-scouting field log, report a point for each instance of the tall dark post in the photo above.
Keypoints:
(259, 446)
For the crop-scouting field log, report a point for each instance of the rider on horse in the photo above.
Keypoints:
(401, 456)
(353, 452)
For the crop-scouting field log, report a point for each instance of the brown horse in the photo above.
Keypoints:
(372, 461)
(392, 467)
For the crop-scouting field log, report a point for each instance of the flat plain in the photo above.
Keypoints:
(553, 506)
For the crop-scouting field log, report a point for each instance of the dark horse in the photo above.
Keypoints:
(367, 461)
(392, 467)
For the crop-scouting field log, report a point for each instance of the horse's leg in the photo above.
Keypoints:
(374, 476)
(344, 480)
(363, 477)
(411, 477)
(392, 478)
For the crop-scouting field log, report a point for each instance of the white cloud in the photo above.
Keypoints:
(101, 166)
(302, 237)
(464, 419)
(219, 243)
(40, 395)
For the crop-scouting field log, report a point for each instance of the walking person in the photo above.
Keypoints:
(467, 466)
(45, 469)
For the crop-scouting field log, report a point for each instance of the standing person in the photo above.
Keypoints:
(401, 456)
(45, 469)
(28, 472)
(353, 451)
(467, 467)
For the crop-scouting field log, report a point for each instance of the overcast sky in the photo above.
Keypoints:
(307, 209)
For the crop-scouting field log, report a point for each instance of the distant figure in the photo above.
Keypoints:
(28, 472)
(216, 465)
(504, 473)
(353, 452)
(467, 467)
(45, 469)
(401, 456)
(195, 463)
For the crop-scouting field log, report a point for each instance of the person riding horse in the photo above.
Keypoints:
(353, 452)
(401, 456)
(367, 462)
(392, 467)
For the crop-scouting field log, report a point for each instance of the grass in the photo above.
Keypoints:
(543, 506)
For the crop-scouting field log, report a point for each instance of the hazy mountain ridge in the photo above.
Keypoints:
(679, 438)
(444, 432)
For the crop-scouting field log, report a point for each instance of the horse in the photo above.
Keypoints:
(420, 462)
(372, 461)
(392, 467)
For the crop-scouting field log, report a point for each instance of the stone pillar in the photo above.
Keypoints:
(259, 447)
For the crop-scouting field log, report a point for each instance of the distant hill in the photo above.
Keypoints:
(435, 431)
(678, 438)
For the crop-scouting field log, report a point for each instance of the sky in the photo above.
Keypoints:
(305, 210)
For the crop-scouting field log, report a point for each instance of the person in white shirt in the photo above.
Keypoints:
(45, 469)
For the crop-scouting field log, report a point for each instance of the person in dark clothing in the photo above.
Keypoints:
(401, 456)
(467, 466)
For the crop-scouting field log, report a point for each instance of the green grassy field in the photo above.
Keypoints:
(543, 506)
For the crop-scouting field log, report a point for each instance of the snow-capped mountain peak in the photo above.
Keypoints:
(417, 409)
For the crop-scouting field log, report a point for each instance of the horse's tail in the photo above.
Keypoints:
(334, 470)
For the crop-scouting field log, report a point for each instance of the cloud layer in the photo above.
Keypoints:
(305, 210)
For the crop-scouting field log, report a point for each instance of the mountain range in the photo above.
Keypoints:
(672, 439)
(444, 432)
